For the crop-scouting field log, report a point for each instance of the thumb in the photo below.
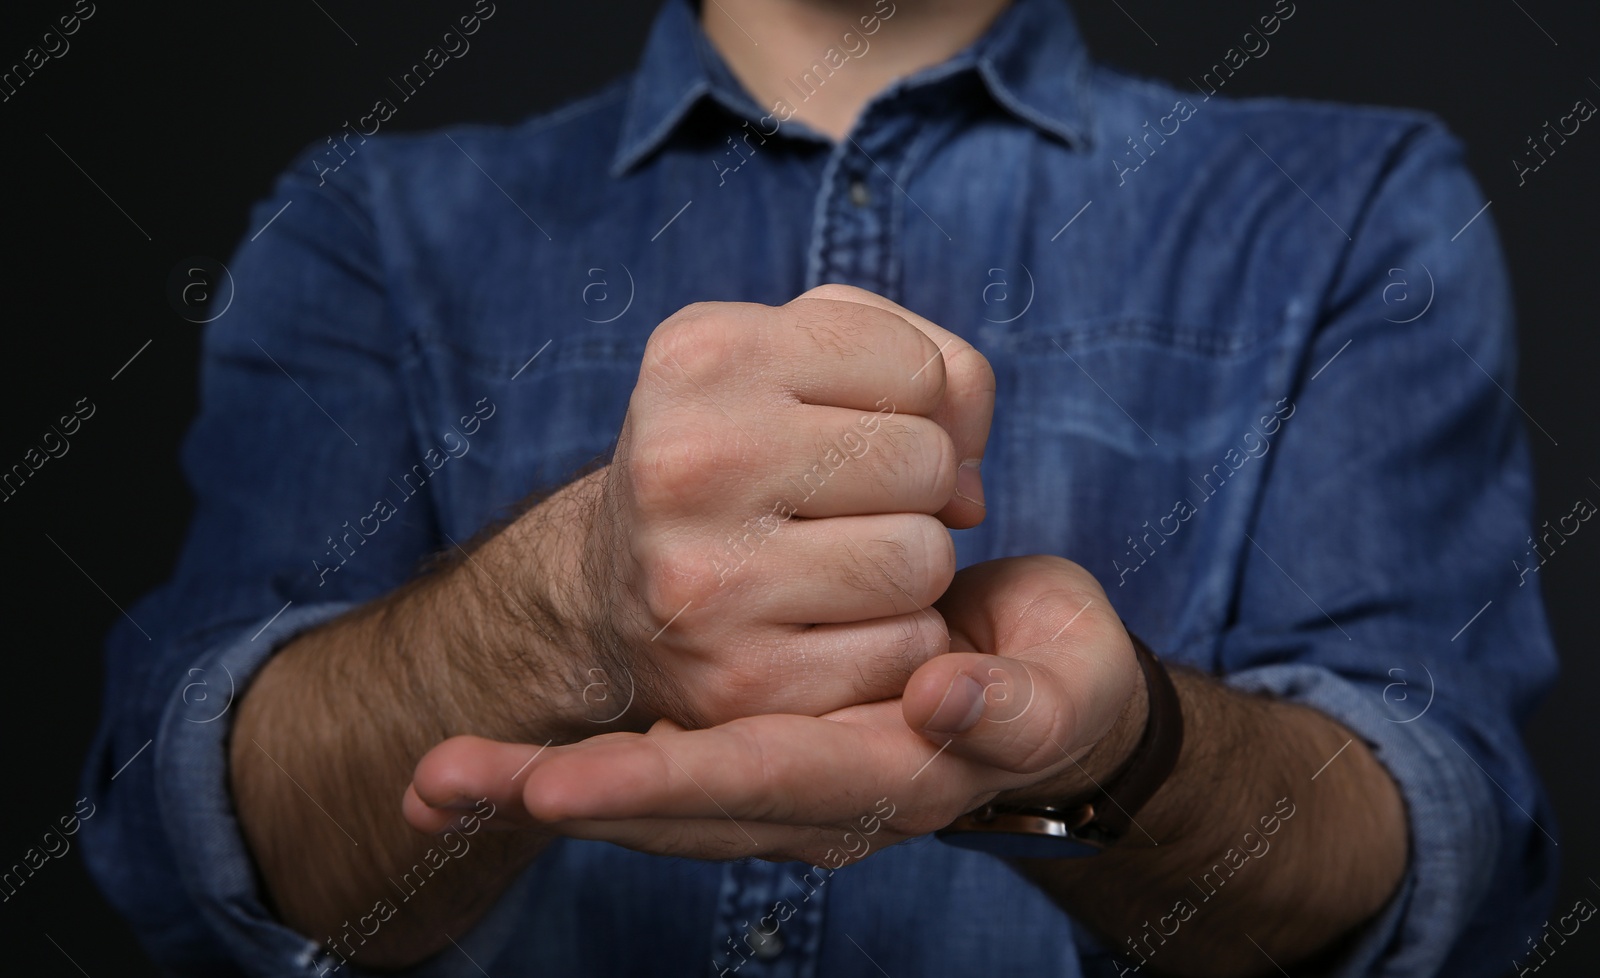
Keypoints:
(998, 711)
(1061, 674)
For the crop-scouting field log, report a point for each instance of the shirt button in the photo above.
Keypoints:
(765, 948)
(858, 192)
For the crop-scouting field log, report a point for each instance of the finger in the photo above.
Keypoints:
(859, 611)
(455, 775)
(813, 670)
(850, 568)
(846, 463)
(968, 402)
(785, 769)
(857, 355)
(809, 350)
(1060, 673)
(863, 662)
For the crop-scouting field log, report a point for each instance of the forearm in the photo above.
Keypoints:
(1266, 847)
(328, 735)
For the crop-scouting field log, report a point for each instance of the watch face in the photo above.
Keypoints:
(1018, 845)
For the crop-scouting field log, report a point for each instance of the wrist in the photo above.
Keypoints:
(517, 653)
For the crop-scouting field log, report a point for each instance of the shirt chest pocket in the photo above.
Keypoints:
(1103, 430)
(1140, 388)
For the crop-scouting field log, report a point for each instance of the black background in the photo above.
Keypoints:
(183, 115)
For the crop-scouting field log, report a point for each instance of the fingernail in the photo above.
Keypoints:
(969, 483)
(960, 709)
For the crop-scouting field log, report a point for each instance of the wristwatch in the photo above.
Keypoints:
(1085, 828)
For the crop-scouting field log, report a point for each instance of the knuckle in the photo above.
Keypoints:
(928, 367)
(916, 638)
(838, 293)
(914, 563)
(696, 343)
(970, 370)
(933, 564)
(881, 568)
(937, 463)
(908, 649)
(673, 578)
(835, 335)
(1029, 741)
(917, 460)
(766, 766)
(668, 470)
(1077, 578)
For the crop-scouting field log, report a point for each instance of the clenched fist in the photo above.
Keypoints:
(772, 532)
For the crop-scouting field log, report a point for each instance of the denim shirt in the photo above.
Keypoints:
(1252, 364)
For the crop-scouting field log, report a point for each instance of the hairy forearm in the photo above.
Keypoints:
(1254, 855)
(328, 735)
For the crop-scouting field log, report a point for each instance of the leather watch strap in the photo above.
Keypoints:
(1112, 808)
(1108, 814)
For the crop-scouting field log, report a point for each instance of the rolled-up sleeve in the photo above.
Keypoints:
(1454, 820)
(303, 420)
(1381, 582)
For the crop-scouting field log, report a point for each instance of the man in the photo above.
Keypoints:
(795, 280)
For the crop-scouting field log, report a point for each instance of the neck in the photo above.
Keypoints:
(827, 58)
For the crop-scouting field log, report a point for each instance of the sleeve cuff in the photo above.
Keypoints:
(197, 807)
(1453, 821)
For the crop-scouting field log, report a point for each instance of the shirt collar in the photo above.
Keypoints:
(1032, 60)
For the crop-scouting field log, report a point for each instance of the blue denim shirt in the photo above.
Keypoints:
(1252, 374)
